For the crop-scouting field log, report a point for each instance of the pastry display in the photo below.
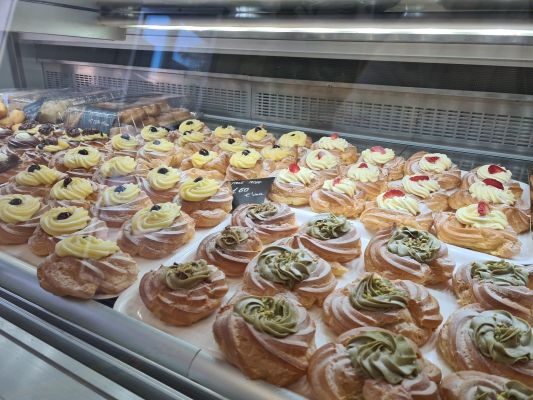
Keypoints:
(495, 285)
(259, 138)
(339, 147)
(492, 171)
(281, 269)
(159, 151)
(153, 132)
(492, 341)
(370, 180)
(437, 166)
(294, 185)
(223, 132)
(322, 163)
(425, 189)
(206, 200)
(386, 159)
(61, 222)
(478, 227)
(295, 139)
(395, 207)
(340, 195)
(193, 125)
(118, 204)
(183, 293)
(35, 180)
(270, 221)
(77, 192)
(124, 144)
(231, 145)
(231, 249)
(400, 306)
(246, 164)
(84, 266)
(21, 142)
(161, 183)
(156, 232)
(269, 338)
(79, 162)
(118, 170)
(276, 157)
(372, 363)
(409, 254)
(207, 160)
(19, 216)
(10, 165)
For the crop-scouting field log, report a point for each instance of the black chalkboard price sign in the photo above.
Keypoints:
(251, 191)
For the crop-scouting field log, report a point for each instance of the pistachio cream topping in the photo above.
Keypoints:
(64, 220)
(384, 356)
(245, 159)
(124, 142)
(199, 189)
(374, 293)
(23, 136)
(500, 273)
(273, 316)
(232, 145)
(82, 157)
(223, 131)
(16, 208)
(291, 139)
(154, 218)
(284, 265)
(302, 175)
(72, 189)
(163, 177)
(422, 246)
(159, 146)
(52, 146)
(494, 171)
(329, 226)
(152, 132)
(320, 159)
(191, 137)
(470, 216)
(512, 390)
(37, 175)
(191, 125)
(186, 275)
(338, 185)
(86, 247)
(363, 172)
(493, 194)
(332, 143)
(261, 212)
(275, 153)
(420, 185)
(435, 162)
(398, 202)
(256, 134)
(378, 155)
(231, 237)
(202, 157)
(120, 194)
(118, 166)
(502, 337)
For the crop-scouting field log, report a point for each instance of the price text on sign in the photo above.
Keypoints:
(251, 191)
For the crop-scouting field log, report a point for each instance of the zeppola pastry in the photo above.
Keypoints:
(270, 338)
(492, 171)
(161, 183)
(409, 254)
(340, 195)
(478, 227)
(496, 285)
(118, 171)
(322, 163)
(231, 145)
(231, 249)
(270, 221)
(19, 216)
(259, 137)
(224, 132)
(10, 165)
(370, 180)
(156, 232)
(45, 151)
(157, 152)
(281, 269)
(369, 364)
(437, 166)
(191, 142)
(94, 137)
(426, 190)
(386, 159)
(124, 144)
(36, 180)
(246, 164)
(20, 142)
(194, 125)
(77, 192)
(152, 132)
(295, 139)
(492, 341)
(276, 157)
(183, 293)
(84, 266)
(395, 207)
(79, 162)
(403, 307)
(206, 160)
(294, 185)
(339, 147)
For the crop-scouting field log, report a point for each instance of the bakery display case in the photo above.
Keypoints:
(255, 199)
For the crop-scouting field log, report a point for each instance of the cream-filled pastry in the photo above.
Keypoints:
(339, 147)
(206, 160)
(153, 132)
(159, 151)
(259, 138)
(437, 166)
(161, 183)
(80, 162)
(124, 144)
(246, 164)
(36, 180)
(294, 185)
(19, 216)
(231, 145)
(276, 157)
(386, 159)
(69, 191)
(339, 195)
(322, 162)
(295, 139)
(425, 189)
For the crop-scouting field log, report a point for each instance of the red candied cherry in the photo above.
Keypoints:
(336, 181)
(418, 178)
(393, 193)
(377, 149)
(494, 183)
(335, 136)
(483, 208)
(363, 165)
(494, 169)
(432, 159)
(294, 168)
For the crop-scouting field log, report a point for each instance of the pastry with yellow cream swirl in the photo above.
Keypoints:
(294, 185)
(231, 145)
(437, 166)
(322, 163)
(92, 137)
(400, 306)
(224, 132)
(246, 164)
(153, 132)
(492, 341)
(10, 165)
(409, 254)
(85, 266)
(35, 180)
(231, 249)
(156, 232)
(206, 160)
(161, 184)
(339, 147)
(77, 192)
(281, 269)
(386, 159)
(193, 125)
(492, 171)
(425, 189)
(372, 363)
(160, 151)
(183, 293)
(269, 338)
(496, 285)
(79, 162)
(370, 180)
(119, 170)
(259, 138)
(276, 157)
(117, 204)
(61, 222)
(44, 151)
(295, 139)
(339, 195)
(124, 144)
(191, 142)
(19, 216)
(206, 200)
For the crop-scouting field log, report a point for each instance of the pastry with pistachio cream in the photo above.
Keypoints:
(193, 125)
(276, 157)
(339, 195)
(496, 285)
(270, 221)
(339, 147)
(61, 222)
(246, 164)
(266, 337)
(370, 180)
(295, 139)
(223, 132)
(117, 204)
(400, 306)
(85, 266)
(156, 231)
(479, 227)
(35, 180)
(183, 293)
(160, 151)
(206, 200)
(161, 183)
(77, 192)
(124, 144)
(19, 216)
(118, 171)
(372, 363)
(425, 189)
(281, 269)
(81, 162)
(492, 171)
(322, 163)
(409, 254)
(230, 249)
(491, 341)
(206, 163)
(44, 151)
(294, 185)
(153, 132)
(386, 159)
(259, 138)
(437, 166)
(395, 207)
(10, 165)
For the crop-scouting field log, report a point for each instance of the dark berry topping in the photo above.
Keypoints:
(245, 152)
(257, 128)
(165, 128)
(15, 202)
(156, 207)
(73, 132)
(204, 152)
(189, 123)
(67, 181)
(40, 146)
(51, 141)
(276, 146)
(293, 134)
(119, 189)
(224, 126)
(63, 215)
(34, 167)
(162, 170)
(46, 129)
(91, 131)
(83, 152)
(157, 142)
(231, 141)
(153, 129)
(198, 179)
(125, 136)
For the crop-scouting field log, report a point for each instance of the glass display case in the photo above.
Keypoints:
(238, 199)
